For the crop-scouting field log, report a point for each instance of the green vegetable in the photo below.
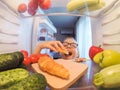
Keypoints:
(20, 56)
(107, 58)
(35, 81)
(10, 77)
(108, 77)
(10, 60)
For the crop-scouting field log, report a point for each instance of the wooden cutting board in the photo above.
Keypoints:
(55, 83)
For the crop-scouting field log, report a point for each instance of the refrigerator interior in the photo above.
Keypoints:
(23, 31)
(17, 33)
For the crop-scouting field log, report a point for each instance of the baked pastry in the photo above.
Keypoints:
(48, 65)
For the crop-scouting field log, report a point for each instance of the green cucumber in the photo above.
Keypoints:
(35, 81)
(108, 77)
(10, 60)
(10, 77)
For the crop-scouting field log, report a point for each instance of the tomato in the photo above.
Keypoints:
(25, 53)
(31, 12)
(94, 50)
(27, 61)
(32, 7)
(39, 55)
(22, 8)
(34, 58)
(46, 4)
(40, 1)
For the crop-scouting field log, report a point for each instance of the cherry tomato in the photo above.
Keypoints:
(32, 5)
(34, 58)
(27, 61)
(35, 1)
(46, 4)
(31, 12)
(25, 53)
(39, 55)
(22, 8)
(40, 1)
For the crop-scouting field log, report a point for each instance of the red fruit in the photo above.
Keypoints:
(31, 12)
(32, 5)
(40, 1)
(34, 58)
(25, 53)
(22, 8)
(46, 4)
(35, 1)
(94, 50)
(27, 61)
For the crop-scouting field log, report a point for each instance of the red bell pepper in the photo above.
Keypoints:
(94, 50)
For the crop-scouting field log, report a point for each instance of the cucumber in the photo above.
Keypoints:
(35, 81)
(108, 77)
(10, 60)
(10, 77)
(19, 55)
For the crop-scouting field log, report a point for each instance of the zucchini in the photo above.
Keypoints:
(35, 81)
(10, 77)
(108, 77)
(10, 60)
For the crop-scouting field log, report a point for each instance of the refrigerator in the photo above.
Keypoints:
(17, 33)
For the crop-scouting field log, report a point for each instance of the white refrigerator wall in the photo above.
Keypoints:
(9, 30)
(15, 32)
(111, 27)
(25, 34)
(106, 27)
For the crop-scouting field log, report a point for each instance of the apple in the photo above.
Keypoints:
(46, 4)
(94, 50)
(22, 8)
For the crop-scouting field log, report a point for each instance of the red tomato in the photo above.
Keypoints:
(31, 12)
(40, 1)
(94, 50)
(46, 4)
(27, 61)
(35, 1)
(25, 53)
(22, 8)
(32, 5)
(34, 58)
(39, 55)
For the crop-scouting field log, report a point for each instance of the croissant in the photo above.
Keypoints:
(48, 65)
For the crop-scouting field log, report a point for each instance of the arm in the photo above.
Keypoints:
(53, 45)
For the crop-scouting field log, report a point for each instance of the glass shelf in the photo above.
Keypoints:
(58, 8)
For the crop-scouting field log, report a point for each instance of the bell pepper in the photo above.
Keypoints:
(94, 50)
(107, 58)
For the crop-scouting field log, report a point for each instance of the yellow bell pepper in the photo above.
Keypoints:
(107, 58)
